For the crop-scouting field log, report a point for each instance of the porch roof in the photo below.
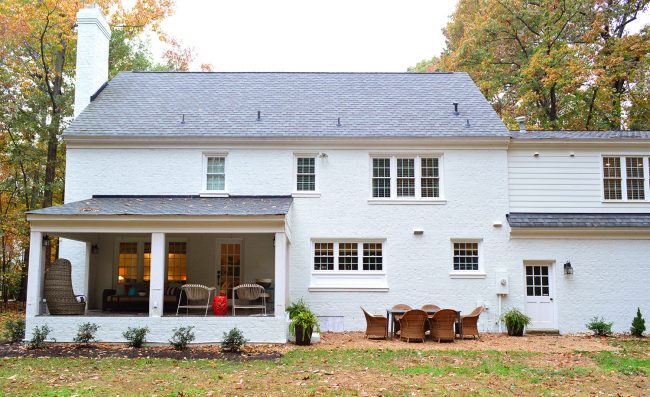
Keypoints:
(578, 220)
(173, 205)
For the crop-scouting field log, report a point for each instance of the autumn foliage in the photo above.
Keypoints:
(563, 64)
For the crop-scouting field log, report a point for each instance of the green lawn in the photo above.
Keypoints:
(318, 371)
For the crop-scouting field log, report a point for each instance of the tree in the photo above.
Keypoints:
(564, 64)
(37, 53)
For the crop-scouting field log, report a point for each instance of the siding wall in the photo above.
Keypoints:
(556, 182)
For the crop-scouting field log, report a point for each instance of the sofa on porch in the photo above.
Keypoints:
(119, 299)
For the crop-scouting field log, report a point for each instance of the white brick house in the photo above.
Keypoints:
(346, 189)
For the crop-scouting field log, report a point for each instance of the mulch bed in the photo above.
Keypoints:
(103, 350)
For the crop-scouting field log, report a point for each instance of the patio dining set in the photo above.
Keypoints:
(416, 324)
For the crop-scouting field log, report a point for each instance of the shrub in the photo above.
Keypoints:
(296, 307)
(233, 341)
(515, 321)
(599, 326)
(306, 322)
(86, 333)
(15, 330)
(638, 324)
(39, 334)
(182, 337)
(136, 336)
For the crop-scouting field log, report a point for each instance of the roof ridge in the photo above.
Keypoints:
(254, 72)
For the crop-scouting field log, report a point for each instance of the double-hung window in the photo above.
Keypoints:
(626, 178)
(466, 259)
(407, 177)
(346, 256)
(214, 174)
(305, 181)
(134, 264)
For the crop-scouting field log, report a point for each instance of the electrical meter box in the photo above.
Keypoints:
(502, 283)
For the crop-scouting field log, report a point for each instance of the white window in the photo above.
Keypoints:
(214, 174)
(306, 174)
(346, 256)
(466, 259)
(625, 178)
(406, 177)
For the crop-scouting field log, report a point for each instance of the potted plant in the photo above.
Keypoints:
(296, 307)
(515, 321)
(302, 325)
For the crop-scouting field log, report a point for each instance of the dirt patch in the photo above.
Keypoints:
(103, 350)
(498, 342)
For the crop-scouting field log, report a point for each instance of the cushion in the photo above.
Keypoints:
(171, 291)
(120, 290)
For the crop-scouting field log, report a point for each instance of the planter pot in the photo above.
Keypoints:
(514, 331)
(303, 338)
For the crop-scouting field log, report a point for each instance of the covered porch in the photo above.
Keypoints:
(131, 257)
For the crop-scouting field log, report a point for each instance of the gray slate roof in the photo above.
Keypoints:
(586, 220)
(291, 105)
(580, 135)
(172, 205)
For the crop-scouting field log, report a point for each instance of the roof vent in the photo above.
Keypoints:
(259, 115)
(182, 118)
(456, 113)
(338, 122)
(467, 125)
(521, 120)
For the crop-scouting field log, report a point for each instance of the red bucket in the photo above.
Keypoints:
(220, 305)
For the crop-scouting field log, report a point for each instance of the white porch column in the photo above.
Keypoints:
(157, 281)
(280, 273)
(86, 280)
(35, 274)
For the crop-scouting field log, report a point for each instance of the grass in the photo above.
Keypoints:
(306, 372)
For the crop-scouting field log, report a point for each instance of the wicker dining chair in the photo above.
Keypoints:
(411, 325)
(58, 292)
(376, 325)
(469, 323)
(396, 317)
(428, 308)
(442, 325)
(197, 297)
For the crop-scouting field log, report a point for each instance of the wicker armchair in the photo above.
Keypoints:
(376, 325)
(396, 317)
(470, 323)
(428, 308)
(58, 292)
(412, 325)
(442, 325)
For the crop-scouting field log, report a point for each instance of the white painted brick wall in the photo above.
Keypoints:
(611, 276)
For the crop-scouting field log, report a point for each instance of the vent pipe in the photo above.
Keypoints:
(338, 122)
(456, 113)
(521, 120)
(259, 115)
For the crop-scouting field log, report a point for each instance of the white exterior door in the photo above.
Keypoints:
(539, 296)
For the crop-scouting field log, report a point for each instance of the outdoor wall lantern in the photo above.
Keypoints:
(46, 241)
(568, 269)
(94, 249)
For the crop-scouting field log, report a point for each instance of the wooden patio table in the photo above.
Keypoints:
(390, 314)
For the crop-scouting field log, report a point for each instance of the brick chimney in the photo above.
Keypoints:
(92, 55)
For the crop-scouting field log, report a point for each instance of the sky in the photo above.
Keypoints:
(309, 35)
(312, 35)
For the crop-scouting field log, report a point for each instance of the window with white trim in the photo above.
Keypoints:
(405, 177)
(466, 256)
(215, 173)
(305, 174)
(346, 256)
(626, 178)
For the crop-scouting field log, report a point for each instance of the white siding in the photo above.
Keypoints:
(556, 182)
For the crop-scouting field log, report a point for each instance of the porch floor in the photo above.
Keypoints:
(192, 313)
